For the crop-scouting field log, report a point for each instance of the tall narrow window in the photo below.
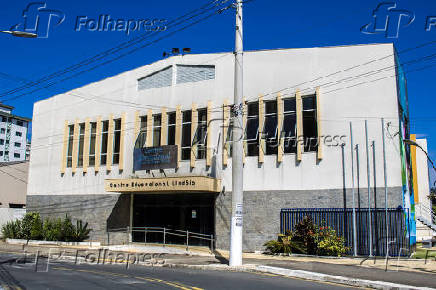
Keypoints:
(81, 144)
(252, 129)
(269, 132)
(171, 129)
(92, 141)
(157, 129)
(186, 135)
(117, 139)
(104, 141)
(141, 140)
(70, 146)
(200, 134)
(310, 128)
(289, 128)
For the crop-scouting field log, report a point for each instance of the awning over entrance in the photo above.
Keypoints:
(165, 184)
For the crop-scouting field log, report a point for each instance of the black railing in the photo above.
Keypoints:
(342, 222)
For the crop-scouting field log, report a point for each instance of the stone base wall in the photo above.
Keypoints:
(100, 211)
(262, 210)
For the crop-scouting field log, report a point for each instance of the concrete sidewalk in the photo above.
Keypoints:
(355, 272)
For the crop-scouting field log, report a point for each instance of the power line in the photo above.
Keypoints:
(117, 57)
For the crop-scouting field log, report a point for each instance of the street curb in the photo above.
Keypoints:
(313, 276)
(335, 279)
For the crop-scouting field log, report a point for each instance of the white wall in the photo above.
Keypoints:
(343, 99)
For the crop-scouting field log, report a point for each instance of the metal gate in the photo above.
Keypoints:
(342, 222)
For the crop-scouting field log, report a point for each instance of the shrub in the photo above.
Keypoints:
(81, 232)
(308, 238)
(11, 230)
(305, 235)
(31, 227)
(284, 244)
(328, 243)
(52, 229)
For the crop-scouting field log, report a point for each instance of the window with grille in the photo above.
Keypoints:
(81, 144)
(251, 135)
(201, 133)
(92, 141)
(289, 126)
(194, 73)
(269, 132)
(159, 79)
(70, 145)
(104, 142)
(171, 137)
(186, 135)
(157, 129)
(310, 127)
(117, 140)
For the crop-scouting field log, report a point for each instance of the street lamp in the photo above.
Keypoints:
(19, 33)
(413, 143)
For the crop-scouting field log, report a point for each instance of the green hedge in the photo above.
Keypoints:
(32, 227)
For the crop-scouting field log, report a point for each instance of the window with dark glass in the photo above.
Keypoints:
(2, 141)
(17, 144)
(18, 134)
(310, 128)
(186, 135)
(20, 123)
(252, 130)
(17, 155)
(289, 127)
(104, 141)
(269, 132)
(70, 145)
(142, 136)
(157, 129)
(200, 134)
(92, 141)
(81, 144)
(171, 129)
(117, 140)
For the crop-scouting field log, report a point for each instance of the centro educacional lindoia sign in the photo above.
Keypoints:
(166, 184)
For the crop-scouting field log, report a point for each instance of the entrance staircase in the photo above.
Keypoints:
(426, 216)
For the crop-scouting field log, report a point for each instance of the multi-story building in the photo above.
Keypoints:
(152, 146)
(13, 135)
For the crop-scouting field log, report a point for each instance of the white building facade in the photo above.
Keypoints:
(297, 112)
(13, 135)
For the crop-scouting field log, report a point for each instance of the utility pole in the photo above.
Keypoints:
(237, 153)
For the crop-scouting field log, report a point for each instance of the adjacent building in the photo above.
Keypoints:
(13, 135)
(152, 146)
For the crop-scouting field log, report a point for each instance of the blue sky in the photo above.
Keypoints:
(268, 24)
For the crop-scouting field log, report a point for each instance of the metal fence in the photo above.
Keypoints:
(164, 236)
(342, 222)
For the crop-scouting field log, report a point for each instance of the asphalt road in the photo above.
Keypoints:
(67, 275)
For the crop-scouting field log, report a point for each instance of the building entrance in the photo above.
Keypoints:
(188, 212)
